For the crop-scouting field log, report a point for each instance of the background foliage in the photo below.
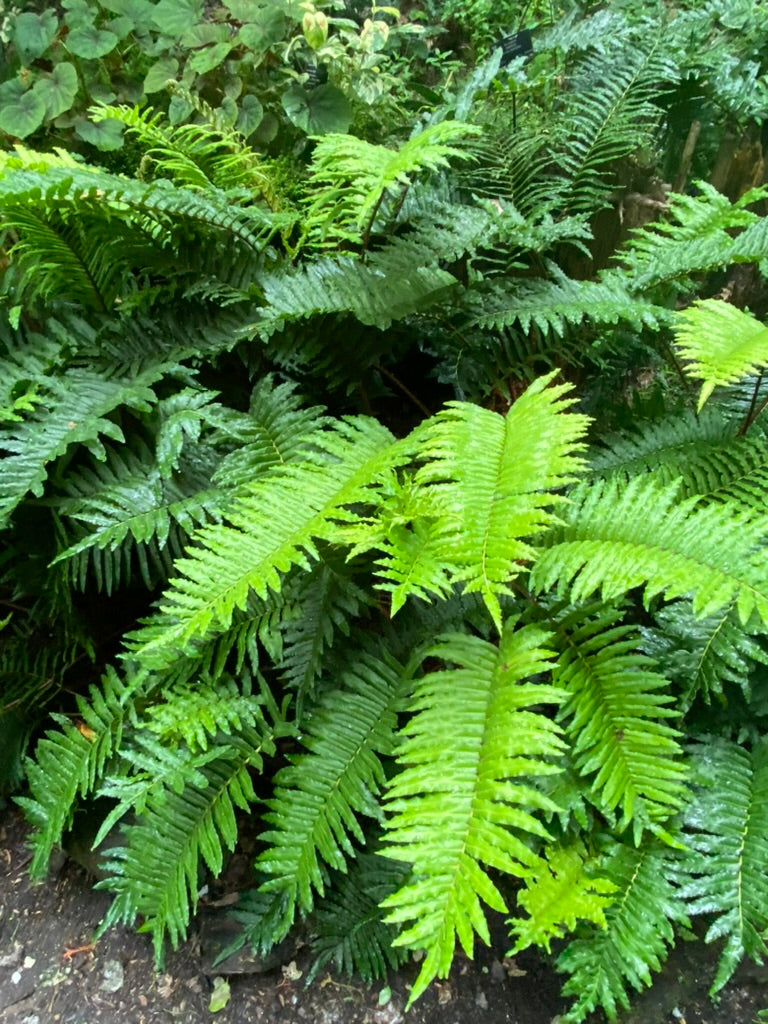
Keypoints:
(384, 455)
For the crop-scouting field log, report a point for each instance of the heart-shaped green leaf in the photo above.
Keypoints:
(251, 114)
(319, 111)
(21, 110)
(106, 135)
(159, 74)
(32, 34)
(58, 89)
(175, 17)
(91, 42)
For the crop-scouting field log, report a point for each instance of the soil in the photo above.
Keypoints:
(52, 973)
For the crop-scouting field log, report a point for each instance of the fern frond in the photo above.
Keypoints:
(700, 234)
(726, 829)
(552, 305)
(374, 295)
(642, 535)
(277, 428)
(607, 112)
(194, 714)
(347, 929)
(606, 963)
(702, 655)
(77, 407)
(614, 716)
(721, 343)
(156, 874)
(130, 511)
(350, 177)
(561, 892)
(457, 809)
(494, 477)
(70, 762)
(326, 600)
(319, 796)
(268, 532)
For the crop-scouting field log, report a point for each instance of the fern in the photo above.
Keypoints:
(494, 476)
(71, 761)
(351, 177)
(456, 810)
(703, 655)
(604, 964)
(615, 719)
(726, 832)
(721, 343)
(375, 296)
(156, 874)
(319, 796)
(642, 535)
(78, 405)
(262, 541)
(560, 893)
(129, 509)
(347, 930)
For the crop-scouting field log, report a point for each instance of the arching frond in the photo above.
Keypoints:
(320, 795)
(268, 532)
(77, 406)
(156, 874)
(702, 655)
(561, 892)
(614, 716)
(642, 535)
(457, 810)
(69, 762)
(495, 477)
(721, 343)
(607, 962)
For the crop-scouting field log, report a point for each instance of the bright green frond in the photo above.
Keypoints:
(721, 343)
(619, 538)
(269, 531)
(494, 476)
(350, 177)
(463, 803)
(726, 829)
(563, 890)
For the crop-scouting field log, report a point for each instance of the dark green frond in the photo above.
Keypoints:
(157, 873)
(320, 795)
(76, 411)
(702, 655)
(726, 825)
(68, 763)
(347, 929)
(614, 716)
(606, 963)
